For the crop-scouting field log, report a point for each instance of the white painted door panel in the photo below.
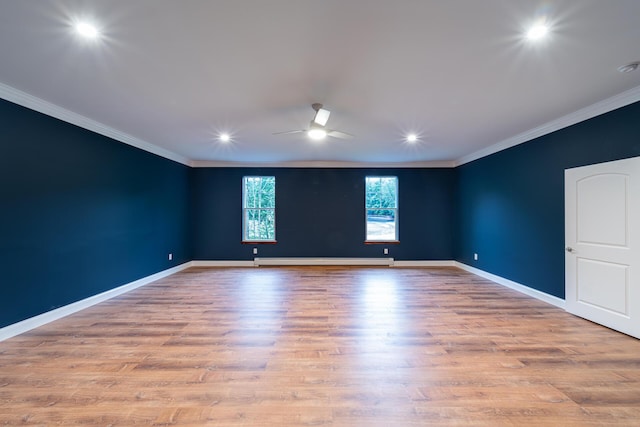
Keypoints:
(602, 235)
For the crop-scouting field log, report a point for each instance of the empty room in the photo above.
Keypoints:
(320, 213)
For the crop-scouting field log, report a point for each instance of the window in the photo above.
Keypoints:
(381, 206)
(259, 209)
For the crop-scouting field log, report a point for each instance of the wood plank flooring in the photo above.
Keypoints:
(336, 346)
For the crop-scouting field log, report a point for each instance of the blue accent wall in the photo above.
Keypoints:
(80, 213)
(320, 213)
(511, 204)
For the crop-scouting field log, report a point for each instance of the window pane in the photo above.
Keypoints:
(259, 192)
(259, 202)
(260, 224)
(381, 224)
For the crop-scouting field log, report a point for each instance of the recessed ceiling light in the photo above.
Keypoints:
(317, 134)
(629, 67)
(412, 137)
(87, 30)
(225, 137)
(538, 31)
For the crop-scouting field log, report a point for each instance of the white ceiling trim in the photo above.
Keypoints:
(625, 98)
(29, 101)
(320, 164)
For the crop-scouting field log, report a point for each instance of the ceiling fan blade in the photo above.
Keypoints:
(321, 116)
(338, 134)
(288, 132)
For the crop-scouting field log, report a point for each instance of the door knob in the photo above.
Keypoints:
(569, 249)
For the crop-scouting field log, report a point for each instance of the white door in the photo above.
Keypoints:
(602, 236)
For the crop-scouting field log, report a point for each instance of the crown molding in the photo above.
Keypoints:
(319, 164)
(618, 101)
(29, 101)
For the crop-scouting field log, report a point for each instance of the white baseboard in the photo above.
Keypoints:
(424, 263)
(44, 318)
(222, 264)
(542, 296)
(323, 261)
(301, 261)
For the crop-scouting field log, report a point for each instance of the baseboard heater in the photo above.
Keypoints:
(323, 261)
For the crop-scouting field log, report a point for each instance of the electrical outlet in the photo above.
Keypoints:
(385, 251)
(475, 257)
(255, 251)
(170, 257)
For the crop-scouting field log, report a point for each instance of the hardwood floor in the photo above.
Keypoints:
(339, 346)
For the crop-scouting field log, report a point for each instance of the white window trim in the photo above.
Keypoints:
(396, 210)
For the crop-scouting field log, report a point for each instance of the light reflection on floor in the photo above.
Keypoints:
(380, 314)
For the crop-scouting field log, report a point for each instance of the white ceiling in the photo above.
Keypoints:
(457, 72)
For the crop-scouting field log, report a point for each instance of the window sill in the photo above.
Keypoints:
(258, 242)
(382, 242)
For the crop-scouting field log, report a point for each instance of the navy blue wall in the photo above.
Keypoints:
(511, 204)
(320, 213)
(80, 213)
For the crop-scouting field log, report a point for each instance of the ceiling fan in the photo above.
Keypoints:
(317, 129)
